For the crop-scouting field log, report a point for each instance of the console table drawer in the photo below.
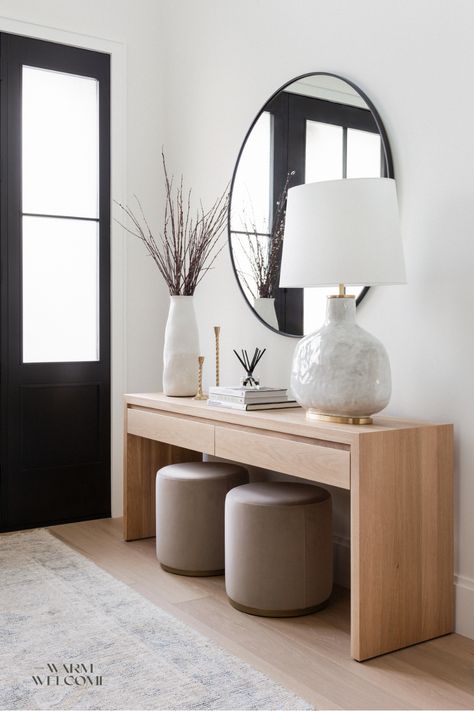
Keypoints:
(182, 432)
(288, 455)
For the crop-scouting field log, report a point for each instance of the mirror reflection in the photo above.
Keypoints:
(319, 127)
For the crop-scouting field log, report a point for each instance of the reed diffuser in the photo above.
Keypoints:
(249, 365)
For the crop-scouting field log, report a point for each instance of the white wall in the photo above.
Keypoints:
(414, 60)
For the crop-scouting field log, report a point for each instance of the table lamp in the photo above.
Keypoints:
(342, 232)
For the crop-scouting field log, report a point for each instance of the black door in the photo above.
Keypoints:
(55, 283)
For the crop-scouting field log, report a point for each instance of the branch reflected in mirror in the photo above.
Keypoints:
(258, 257)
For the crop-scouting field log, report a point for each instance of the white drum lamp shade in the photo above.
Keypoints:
(342, 232)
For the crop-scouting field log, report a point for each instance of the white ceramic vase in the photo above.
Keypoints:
(265, 308)
(181, 348)
(341, 370)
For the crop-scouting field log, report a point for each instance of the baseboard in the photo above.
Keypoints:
(464, 605)
(342, 560)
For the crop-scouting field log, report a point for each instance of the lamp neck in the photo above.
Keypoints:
(342, 308)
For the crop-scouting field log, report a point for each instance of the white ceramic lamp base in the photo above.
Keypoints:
(341, 373)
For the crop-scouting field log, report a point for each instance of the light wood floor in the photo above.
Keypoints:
(309, 655)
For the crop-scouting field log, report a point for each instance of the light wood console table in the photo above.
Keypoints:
(399, 474)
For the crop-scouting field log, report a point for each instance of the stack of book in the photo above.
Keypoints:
(251, 398)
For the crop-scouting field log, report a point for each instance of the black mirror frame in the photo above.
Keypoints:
(388, 162)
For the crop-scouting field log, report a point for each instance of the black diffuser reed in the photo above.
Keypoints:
(249, 365)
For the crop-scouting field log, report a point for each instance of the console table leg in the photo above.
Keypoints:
(143, 457)
(402, 541)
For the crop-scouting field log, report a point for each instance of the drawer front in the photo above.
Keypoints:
(299, 457)
(180, 431)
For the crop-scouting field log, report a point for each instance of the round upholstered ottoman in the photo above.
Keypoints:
(190, 501)
(278, 548)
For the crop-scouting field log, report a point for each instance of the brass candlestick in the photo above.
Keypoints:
(200, 395)
(217, 331)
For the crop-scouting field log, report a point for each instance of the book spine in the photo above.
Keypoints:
(231, 405)
(227, 391)
(248, 397)
(218, 397)
(273, 405)
(226, 398)
(246, 392)
(254, 406)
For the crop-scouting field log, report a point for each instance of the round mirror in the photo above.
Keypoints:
(317, 127)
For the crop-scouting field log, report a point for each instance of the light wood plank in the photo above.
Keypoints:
(308, 655)
(400, 475)
(143, 459)
(402, 540)
(289, 421)
(287, 454)
(189, 432)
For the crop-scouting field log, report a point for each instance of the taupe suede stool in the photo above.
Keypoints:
(278, 548)
(190, 502)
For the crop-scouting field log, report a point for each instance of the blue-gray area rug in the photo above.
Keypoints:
(74, 637)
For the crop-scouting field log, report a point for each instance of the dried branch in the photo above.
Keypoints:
(263, 252)
(187, 246)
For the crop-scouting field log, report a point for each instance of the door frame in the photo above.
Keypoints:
(118, 188)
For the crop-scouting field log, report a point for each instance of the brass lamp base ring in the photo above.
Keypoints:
(312, 414)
